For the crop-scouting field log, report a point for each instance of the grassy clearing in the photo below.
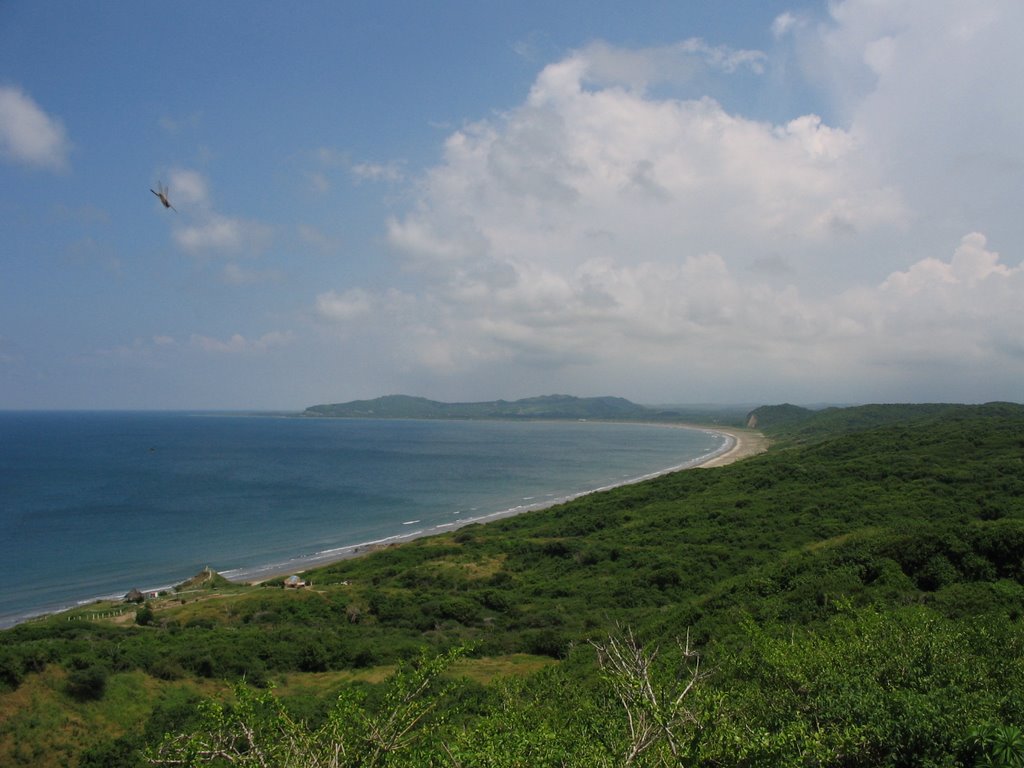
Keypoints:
(488, 669)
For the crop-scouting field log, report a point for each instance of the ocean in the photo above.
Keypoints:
(94, 504)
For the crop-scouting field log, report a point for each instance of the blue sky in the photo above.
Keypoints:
(675, 202)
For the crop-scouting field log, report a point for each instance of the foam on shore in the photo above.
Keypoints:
(730, 450)
(319, 559)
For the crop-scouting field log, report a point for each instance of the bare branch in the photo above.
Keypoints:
(652, 697)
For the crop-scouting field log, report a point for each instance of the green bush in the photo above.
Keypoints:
(88, 683)
(994, 746)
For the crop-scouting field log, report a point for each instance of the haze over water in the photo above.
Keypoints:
(95, 503)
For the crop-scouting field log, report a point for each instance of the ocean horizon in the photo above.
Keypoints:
(95, 504)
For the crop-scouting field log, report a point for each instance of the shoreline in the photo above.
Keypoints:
(739, 444)
(747, 443)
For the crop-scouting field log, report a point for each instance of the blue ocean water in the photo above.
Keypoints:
(93, 504)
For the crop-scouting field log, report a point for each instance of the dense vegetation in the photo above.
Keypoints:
(851, 598)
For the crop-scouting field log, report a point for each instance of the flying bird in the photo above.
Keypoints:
(161, 192)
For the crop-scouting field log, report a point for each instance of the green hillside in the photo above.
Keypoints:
(855, 596)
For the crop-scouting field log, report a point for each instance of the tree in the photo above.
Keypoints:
(256, 730)
(652, 695)
(88, 683)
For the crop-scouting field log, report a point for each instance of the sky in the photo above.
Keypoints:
(682, 202)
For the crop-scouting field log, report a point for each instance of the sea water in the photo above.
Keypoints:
(94, 504)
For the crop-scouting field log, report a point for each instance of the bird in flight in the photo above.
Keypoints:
(161, 192)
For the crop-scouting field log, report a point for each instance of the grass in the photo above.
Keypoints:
(42, 726)
(486, 670)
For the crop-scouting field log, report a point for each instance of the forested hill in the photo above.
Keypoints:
(793, 425)
(543, 407)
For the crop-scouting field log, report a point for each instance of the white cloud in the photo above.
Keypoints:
(216, 232)
(575, 173)
(238, 344)
(933, 88)
(970, 266)
(178, 125)
(962, 309)
(329, 161)
(598, 232)
(784, 23)
(188, 187)
(201, 229)
(28, 134)
(390, 172)
(334, 307)
(699, 317)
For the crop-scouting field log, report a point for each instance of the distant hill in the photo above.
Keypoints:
(545, 407)
(776, 416)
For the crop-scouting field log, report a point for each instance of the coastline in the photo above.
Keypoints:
(740, 444)
(747, 443)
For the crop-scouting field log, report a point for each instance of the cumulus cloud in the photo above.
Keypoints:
(701, 319)
(934, 89)
(589, 218)
(575, 173)
(598, 230)
(28, 134)
(961, 309)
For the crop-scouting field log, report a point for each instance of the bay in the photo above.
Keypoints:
(93, 504)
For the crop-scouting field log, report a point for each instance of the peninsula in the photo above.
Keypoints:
(543, 407)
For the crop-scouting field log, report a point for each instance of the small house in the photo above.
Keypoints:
(294, 582)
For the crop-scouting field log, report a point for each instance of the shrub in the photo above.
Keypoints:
(88, 683)
(1000, 746)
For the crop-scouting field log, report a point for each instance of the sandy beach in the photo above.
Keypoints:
(742, 443)
(748, 442)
